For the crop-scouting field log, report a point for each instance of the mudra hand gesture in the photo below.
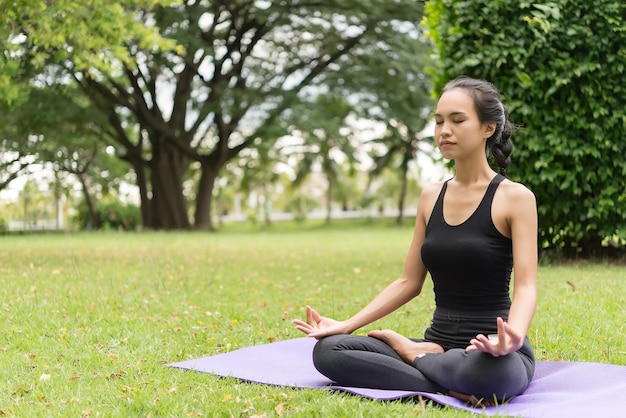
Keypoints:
(506, 342)
(317, 326)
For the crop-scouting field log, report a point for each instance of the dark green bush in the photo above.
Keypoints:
(110, 215)
(561, 67)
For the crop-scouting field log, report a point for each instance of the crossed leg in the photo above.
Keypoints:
(351, 360)
(388, 360)
(457, 363)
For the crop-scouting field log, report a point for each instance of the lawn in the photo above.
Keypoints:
(90, 320)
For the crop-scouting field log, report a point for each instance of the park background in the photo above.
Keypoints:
(204, 169)
(168, 116)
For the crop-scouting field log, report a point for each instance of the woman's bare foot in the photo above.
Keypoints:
(406, 348)
(472, 400)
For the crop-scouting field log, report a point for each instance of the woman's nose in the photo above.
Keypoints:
(444, 129)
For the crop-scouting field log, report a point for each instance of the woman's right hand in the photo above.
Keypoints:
(317, 326)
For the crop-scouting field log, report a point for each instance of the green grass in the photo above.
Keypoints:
(90, 320)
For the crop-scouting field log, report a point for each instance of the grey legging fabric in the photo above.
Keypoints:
(359, 361)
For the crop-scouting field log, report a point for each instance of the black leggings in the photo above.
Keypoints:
(357, 361)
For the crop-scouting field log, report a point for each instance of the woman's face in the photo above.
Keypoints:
(458, 131)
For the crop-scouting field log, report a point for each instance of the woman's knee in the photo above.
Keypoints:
(325, 353)
(500, 378)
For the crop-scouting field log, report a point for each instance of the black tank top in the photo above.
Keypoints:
(470, 263)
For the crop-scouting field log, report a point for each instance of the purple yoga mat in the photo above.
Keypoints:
(559, 389)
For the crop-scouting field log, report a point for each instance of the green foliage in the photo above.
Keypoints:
(388, 84)
(237, 66)
(326, 142)
(91, 34)
(56, 126)
(111, 214)
(560, 66)
(388, 187)
(300, 204)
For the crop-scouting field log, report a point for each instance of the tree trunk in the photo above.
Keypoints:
(93, 216)
(204, 197)
(167, 170)
(329, 201)
(25, 216)
(267, 205)
(144, 196)
(402, 199)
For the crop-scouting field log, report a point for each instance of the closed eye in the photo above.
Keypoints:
(457, 121)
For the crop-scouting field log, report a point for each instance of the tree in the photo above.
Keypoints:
(389, 85)
(260, 175)
(13, 161)
(385, 188)
(35, 33)
(401, 147)
(17, 143)
(61, 193)
(33, 202)
(240, 64)
(90, 32)
(55, 125)
(326, 141)
(560, 67)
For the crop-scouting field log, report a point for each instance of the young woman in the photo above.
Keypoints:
(470, 230)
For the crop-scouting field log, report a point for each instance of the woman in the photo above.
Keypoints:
(469, 232)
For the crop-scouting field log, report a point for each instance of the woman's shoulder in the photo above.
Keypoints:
(517, 192)
(428, 197)
(431, 190)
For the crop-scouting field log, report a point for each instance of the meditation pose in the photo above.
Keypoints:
(470, 231)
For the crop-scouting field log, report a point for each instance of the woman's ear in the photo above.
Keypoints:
(489, 129)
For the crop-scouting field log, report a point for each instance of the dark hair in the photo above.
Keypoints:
(490, 109)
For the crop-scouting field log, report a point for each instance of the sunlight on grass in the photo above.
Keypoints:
(90, 320)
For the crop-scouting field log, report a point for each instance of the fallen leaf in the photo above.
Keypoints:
(22, 389)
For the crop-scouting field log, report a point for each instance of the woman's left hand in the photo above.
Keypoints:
(507, 341)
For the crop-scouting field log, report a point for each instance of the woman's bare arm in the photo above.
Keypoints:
(399, 292)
